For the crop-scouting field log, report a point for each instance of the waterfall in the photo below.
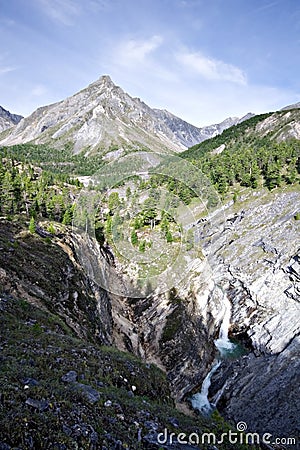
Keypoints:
(223, 344)
(200, 400)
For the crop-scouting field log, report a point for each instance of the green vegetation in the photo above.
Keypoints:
(229, 136)
(248, 159)
(32, 227)
(54, 160)
(35, 193)
(142, 246)
(134, 238)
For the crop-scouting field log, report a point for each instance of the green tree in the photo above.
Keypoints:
(134, 238)
(108, 226)
(113, 201)
(142, 246)
(138, 223)
(32, 226)
(67, 217)
(169, 236)
(51, 228)
(164, 224)
(128, 192)
(99, 233)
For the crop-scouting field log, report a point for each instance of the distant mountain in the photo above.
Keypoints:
(103, 118)
(246, 117)
(275, 126)
(188, 134)
(8, 120)
(293, 106)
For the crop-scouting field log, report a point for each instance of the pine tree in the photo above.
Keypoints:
(169, 236)
(32, 227)
(134, 238)
(67, 217)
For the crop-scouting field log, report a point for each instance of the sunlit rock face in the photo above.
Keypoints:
(102, 118)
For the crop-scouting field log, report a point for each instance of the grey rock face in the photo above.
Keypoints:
(87, 391)
(283, 125)
(40, 405)
(103, 116)
(189, 135)
(262, 391)
(254, 250)
(64, 289)
(8, 120)
(293, 106)
(96, 118)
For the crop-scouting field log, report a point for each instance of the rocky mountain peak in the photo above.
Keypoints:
(104, 82)
(103, 116)
(7, 119)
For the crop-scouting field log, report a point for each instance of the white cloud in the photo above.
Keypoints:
(210, 68)
(62, 11)
(197, 88)
(135, 51)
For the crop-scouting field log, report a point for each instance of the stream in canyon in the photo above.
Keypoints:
(226, 349)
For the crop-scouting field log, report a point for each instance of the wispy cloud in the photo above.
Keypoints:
(210, 68)
(6, 69)
(267, 6)
(61, 11)
(135, 51)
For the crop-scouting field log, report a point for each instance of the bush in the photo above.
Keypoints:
(297, 216)
(134, 238)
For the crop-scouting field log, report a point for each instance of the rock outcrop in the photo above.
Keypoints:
(50, 277)
(261, 391)
(7, 119)
(254, 249)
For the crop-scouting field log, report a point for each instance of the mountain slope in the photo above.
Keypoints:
(102, 117)
(270, 128)
(97, 118)
(293, 106)
(187, 133)
(8, 120)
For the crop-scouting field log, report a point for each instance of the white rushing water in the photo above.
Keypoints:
(200, 400)
(223, 344)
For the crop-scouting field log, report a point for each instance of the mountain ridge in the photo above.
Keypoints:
(103, 116)
(7, 119)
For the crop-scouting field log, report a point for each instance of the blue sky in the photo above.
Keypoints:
(202, 60)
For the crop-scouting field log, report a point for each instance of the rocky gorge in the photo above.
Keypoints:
(86, 363)
(251, 250)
